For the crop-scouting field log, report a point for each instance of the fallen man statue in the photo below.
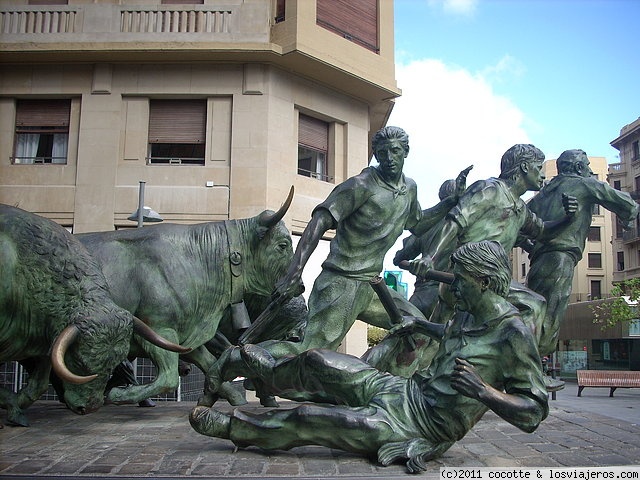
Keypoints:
(486, 360)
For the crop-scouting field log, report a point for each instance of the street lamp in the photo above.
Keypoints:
(144, 213)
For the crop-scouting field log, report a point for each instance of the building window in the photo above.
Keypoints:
(596, 289)
(619, 228)
(355, 20)
(313, 148)
(280, 11)
(595, 209)
(620, 257)
(523, 270)
(594, 234)
(635, 150)
(595, 260)
(617, 185)
(177, 132)
(42, 131)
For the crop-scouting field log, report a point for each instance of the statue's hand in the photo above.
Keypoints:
(466, 380)
(570, 204)
(289, 286)
(421, 266)
(461, 181)
(407, 327)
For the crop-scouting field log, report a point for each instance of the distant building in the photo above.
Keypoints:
(625, 176)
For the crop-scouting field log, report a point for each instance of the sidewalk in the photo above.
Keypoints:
(129, 442)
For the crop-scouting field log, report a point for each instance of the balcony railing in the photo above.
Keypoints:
(175, 21)
(29, 25)
(38, 21)
(630, 235)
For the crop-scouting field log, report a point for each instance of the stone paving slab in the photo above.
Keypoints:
(130, 442)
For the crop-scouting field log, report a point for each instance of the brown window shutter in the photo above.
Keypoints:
(177, 121)
(181, 2)
(313, 133)
(43, 113)
(356, 20)
(48, 2)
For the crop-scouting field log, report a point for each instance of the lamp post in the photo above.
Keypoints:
(144, 214)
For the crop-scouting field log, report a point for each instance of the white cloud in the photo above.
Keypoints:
(505, 69)
(454, 119)
(456, 7)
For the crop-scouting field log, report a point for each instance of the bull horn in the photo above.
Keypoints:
(146, 332)
(60, 346)
(268, 219)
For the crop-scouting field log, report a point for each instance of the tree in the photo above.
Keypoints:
(623, 308)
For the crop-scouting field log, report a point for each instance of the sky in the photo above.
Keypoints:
(478, 76)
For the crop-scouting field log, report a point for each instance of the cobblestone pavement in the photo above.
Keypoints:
(130, 442)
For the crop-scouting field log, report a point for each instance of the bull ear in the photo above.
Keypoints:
(270, 219)
(60, 346)
(146, 332)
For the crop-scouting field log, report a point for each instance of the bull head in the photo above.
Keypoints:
(268, 220)
(70, 334)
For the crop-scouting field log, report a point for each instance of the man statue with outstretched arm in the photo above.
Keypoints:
(553, 259)
(486, 360)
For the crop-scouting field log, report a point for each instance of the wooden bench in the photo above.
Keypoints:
(607, 378)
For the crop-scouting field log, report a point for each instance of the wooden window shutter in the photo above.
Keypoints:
(177, 121)
(313, 133)
(48, 2)
(356, 20)
(43, 113)
(181, 2)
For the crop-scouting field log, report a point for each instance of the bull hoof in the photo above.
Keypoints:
(269, 401)
(208, 400)
(234, 394)
(117, 396)
(17, 418)
(210, 422)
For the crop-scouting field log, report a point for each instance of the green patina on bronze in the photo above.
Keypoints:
(487, 359)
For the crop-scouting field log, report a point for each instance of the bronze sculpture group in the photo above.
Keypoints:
(465, 343)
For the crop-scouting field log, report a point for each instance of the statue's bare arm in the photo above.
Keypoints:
(291, 285)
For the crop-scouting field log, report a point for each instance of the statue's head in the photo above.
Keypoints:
(487, 262)
(387, 134)
(447, 189)
(523, 160)
(574, 162)
(390, 146)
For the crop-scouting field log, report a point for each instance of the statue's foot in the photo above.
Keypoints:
(553, 384)
(147, 403)
(259, 361)
(210, 422)
(17, 418)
